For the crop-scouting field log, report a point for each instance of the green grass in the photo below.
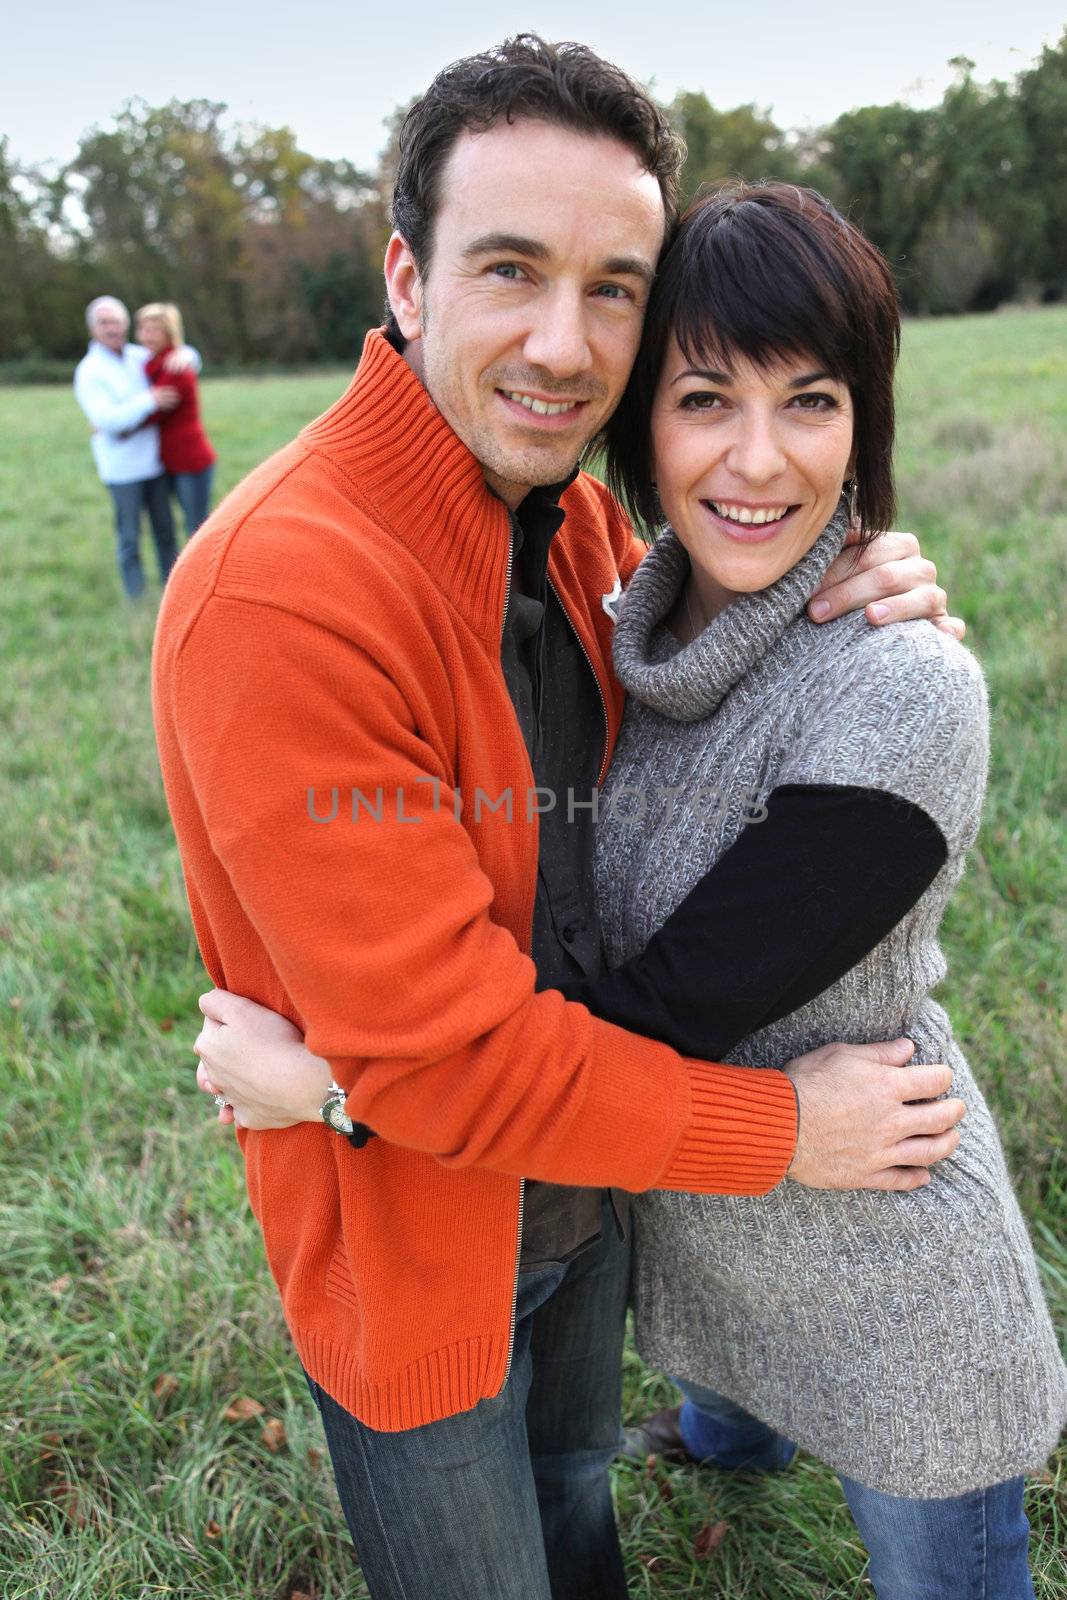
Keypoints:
(135, 1301)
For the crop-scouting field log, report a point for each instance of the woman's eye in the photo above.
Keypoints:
(613, 291)
(815, 402)
(700, 401)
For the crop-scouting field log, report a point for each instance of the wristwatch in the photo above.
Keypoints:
(333, 1111)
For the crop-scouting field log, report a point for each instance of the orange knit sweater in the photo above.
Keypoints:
(336, 626)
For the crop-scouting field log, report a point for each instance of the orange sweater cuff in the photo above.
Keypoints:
(742, 1131)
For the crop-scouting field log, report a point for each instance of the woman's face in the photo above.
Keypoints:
(152, 334)
(749, 465)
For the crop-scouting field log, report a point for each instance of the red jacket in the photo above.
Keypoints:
(335, 628)
(184, 445)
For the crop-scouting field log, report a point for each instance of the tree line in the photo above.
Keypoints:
(275, 255)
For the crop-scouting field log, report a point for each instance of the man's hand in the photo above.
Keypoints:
(892, 581)
(179, 360)
(258, 1061)
(860, 1125)
(165, 397)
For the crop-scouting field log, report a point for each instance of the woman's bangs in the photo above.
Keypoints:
(737, 300)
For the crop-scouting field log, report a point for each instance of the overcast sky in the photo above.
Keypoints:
(333, 69)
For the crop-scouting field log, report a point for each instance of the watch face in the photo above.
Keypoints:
(338, 1117)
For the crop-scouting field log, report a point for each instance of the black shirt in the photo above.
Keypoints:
(559, 709)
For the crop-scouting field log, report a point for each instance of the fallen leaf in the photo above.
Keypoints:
(299, 1594)
(709, 1539)
(651, 1563)
(212, 1530)
(314, 1458)
(243, 1408)
(167, 1025)
(273, 1435)
(165, 1386)
(60, 1286)
(68, 1500)
(15, 1003)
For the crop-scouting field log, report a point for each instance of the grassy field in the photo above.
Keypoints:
(140, 1329)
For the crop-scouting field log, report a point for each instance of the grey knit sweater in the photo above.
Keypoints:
(902, 1338)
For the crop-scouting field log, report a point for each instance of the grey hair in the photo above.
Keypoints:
(101, 302)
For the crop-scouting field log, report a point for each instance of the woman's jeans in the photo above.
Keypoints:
(130, 499)
(194, 496)
(971, 1547)
(509, 1501)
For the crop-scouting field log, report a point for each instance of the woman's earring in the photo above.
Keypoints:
(852, 495)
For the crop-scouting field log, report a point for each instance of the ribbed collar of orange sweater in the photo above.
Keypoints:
(413, 475)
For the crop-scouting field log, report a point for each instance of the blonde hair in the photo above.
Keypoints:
(168, 315)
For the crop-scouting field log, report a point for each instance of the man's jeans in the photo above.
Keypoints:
(971, 1547)
(509, 1501)
(194, 496)
(151, 495)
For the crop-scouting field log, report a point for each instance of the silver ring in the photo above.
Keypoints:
(220, 1100)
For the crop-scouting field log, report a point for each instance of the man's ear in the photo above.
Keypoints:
(403, 286)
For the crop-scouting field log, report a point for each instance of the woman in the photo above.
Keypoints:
(188, 458)
(787, 813)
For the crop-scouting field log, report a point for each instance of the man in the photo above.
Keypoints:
(411, 607)
(111, 387)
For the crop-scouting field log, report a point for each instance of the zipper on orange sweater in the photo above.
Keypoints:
(522, 1181)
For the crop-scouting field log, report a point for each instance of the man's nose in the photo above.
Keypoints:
(558, 340)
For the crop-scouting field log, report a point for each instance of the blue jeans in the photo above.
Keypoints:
(970, 1547)
(130, 499)
(511, 1500)
(194, 496)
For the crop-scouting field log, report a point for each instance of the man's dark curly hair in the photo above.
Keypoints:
(566, 84)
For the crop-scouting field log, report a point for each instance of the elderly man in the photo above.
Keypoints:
(111, 387)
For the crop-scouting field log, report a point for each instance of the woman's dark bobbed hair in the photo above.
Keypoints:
(756, 272)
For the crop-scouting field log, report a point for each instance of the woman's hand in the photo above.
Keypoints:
(892, 581)
(258, 1061)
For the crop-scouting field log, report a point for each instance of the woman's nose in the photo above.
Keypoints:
(755, 452)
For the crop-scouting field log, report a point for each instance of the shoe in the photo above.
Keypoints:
(657, 1435)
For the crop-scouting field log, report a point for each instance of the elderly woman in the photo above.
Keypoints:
(188, 459)
(786, 816)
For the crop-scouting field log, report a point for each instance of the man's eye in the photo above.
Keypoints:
(507, 270)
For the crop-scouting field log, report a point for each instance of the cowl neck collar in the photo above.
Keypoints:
(689, 682)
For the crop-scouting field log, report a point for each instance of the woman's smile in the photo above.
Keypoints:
(749, 524)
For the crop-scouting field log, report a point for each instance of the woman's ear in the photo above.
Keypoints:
(403, 285)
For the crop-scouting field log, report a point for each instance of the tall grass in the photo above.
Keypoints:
(136, 1306)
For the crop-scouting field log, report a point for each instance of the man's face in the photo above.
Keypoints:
(543, 251)
(110, 328)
